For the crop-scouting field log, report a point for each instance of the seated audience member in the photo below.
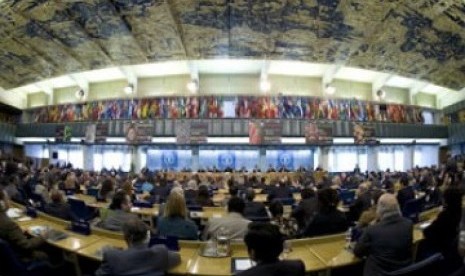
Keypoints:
(387, 244)
(405, 193)
(58, 207)
(70, 182)
(174, 221)
(328, 219)
(203, 197)
(11, 188)
(442, 234)
(129, 190)
(283, 190)
(138, 259)
(264, 245)
(306, 209)
(253, 209)
(287, 227)
(107, 190)
(361, 203)
(28, 249)
(190, 192)
(118, 213)
(234, 221)
(369, 216)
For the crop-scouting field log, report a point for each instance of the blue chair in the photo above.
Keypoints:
(171, 242)
(286, 201)
(11, 265)
(428, 266)
(347, 196)
(142, 204)
(412, 209)
(69, 192)
(79, 210)
(92, 192)
(194, 208)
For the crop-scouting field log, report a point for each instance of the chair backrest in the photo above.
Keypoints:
(347, 196)
(142, 204)
(286, 201)
(79, 209)
(11, 265)
(171, 242)
(427, 266)
(92, 192)
(412, 209)
(194, 208)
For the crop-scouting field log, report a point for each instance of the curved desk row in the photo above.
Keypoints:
(321, 254)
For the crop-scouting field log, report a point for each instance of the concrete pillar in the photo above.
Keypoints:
(88, 157)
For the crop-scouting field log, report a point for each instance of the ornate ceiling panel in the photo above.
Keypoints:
(423, 39)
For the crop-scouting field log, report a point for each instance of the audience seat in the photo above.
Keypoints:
(428, 266)
(80, 210)
(347, 196)
(413, 208)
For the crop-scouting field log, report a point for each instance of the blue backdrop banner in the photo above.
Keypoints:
(177, 160)
(290, 159)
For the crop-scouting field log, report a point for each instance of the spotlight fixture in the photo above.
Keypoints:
(381, 94)
(329, 89)
(80, 94)
(193, 86)
(129, 89)
(265, 85)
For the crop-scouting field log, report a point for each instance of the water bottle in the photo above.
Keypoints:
(222, 242)
(349, 238)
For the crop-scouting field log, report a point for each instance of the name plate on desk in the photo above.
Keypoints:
(80, 227)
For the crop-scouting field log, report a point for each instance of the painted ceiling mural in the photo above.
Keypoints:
(422, 39)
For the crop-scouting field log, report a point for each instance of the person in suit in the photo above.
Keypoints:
(174, 221)
(361, 203)
(328, 220)
(203, 197)
(234, 221)
(253, 209)
(388, 243)
(442, 234)
(306, 209)
(28, 249)
(119, 212)
(58, 207)
(138, 259)
(406, 193)
(264, 244)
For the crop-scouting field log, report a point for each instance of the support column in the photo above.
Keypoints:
(372, 159)
(408, 157)
(195, 166)
(88, 157)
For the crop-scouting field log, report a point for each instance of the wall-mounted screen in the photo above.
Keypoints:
(176, 160)
(289, 159)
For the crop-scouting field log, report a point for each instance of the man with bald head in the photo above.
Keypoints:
(387, 244)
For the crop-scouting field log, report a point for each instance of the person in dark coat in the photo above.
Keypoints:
(328, 220)
(388, 243)
(306, 209)
(442, 234)
(138, 259)
(264, 245)
(406, 193)
(361, 203)
(58, 207)
(253, 209)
